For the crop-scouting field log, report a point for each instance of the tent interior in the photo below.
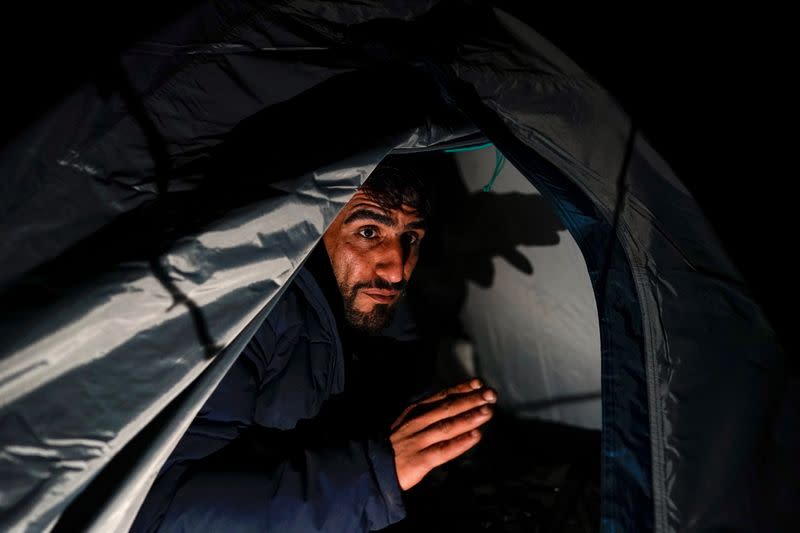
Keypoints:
(503, 293)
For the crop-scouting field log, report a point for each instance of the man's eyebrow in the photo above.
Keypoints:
(417, 224)
(366, 214)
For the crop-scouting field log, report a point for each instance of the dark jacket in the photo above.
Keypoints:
(277, 447)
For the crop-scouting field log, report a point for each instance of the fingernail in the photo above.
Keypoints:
(484, 410)
(474, 433)
(489, 396)
(475, 384)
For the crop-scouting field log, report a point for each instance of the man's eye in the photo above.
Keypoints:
(412, 238)
(368, 233)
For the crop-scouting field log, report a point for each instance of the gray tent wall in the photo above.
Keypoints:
(533, 332)
(687, 356)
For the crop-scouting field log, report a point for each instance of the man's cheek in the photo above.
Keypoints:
(410, 266)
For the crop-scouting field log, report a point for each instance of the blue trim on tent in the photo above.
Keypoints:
(626, 482)
(626, 477)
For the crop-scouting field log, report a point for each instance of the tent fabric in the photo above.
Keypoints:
(541, 350)
(626, 433)
(149, 221)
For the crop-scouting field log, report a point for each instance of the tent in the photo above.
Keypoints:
(151, 217)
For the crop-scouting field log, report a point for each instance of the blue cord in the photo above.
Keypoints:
(499, 162)
(468, 148)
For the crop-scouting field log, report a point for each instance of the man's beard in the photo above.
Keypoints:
(374, 321)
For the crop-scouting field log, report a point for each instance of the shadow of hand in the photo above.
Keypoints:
(494, 225)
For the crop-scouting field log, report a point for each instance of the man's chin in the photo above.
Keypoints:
(373, 321)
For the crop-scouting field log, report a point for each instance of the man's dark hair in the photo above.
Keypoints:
(397, 180)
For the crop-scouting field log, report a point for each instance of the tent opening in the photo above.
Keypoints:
(502, 292)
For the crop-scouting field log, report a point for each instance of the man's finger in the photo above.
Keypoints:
(451, 427)
(442, 452)
(451, 406)
(461, 388)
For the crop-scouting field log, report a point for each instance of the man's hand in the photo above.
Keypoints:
(438, 429)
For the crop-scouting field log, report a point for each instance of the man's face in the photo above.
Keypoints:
(373, 252)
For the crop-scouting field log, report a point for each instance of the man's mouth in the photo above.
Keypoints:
(381, 296)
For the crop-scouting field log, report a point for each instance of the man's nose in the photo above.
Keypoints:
(389, 264)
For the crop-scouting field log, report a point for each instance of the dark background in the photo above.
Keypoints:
(710, 89)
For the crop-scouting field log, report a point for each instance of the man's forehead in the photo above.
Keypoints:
(362, 201)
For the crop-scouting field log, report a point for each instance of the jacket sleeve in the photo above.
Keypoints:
(230, 474)
(348, 486)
